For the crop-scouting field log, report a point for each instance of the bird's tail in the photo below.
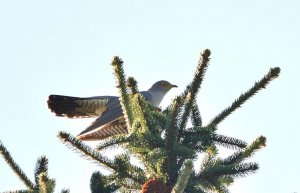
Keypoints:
(75, 107)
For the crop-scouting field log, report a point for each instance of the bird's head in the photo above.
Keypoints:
(159, 90)
(162, 86)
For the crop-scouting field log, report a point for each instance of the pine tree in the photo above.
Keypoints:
(42, 184)
(164, 144)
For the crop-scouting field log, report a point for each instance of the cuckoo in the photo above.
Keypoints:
(110, 120)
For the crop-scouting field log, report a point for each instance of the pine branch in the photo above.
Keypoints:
(46, 185)
(185, 152)
(171, 125)
(152, 162)
(171, 129)
(220, 188)
(117, 64)
(273, 73)
(234, 170)
(143, 143)
(65, 191)
(183, 178)
(157, 154)
(228, 142)
(19, 191)
(126, 170)
(240, 156)
(15, 167)
(196, 116)
(192, 89)
(139, 107)
(208, 187)
(193, 185)
(126, 183)
(198, 138)
(226, 180)
(99, 184)
(241, 170)
(112, 181)
(213, 186)
(40, 167)
(85, 151)
(113, 141)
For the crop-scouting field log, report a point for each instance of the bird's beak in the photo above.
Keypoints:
(174, 86)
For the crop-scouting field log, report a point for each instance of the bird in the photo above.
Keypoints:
(110, 119)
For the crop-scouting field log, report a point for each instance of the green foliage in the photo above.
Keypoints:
(84, 150)
(189, 95)
(16, 168)
(273, 73)
(123, 91)
(247, 152)
(163, 143)
(43, 184)
(40, 168)
(99, 183)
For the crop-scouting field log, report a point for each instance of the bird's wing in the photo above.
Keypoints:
(112, 113)
(115, 127)
(75, 107)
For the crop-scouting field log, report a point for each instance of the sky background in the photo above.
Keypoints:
(65, 47)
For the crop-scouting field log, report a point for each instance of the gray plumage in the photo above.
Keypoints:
(110, 119)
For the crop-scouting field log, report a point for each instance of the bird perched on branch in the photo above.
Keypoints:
(110, 119)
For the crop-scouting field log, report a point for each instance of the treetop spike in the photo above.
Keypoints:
(274, 72)
(206, 52)
(117, 61)
(262, 140)
(62, 135)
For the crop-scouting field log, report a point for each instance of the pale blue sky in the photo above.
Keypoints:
(65, 47)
